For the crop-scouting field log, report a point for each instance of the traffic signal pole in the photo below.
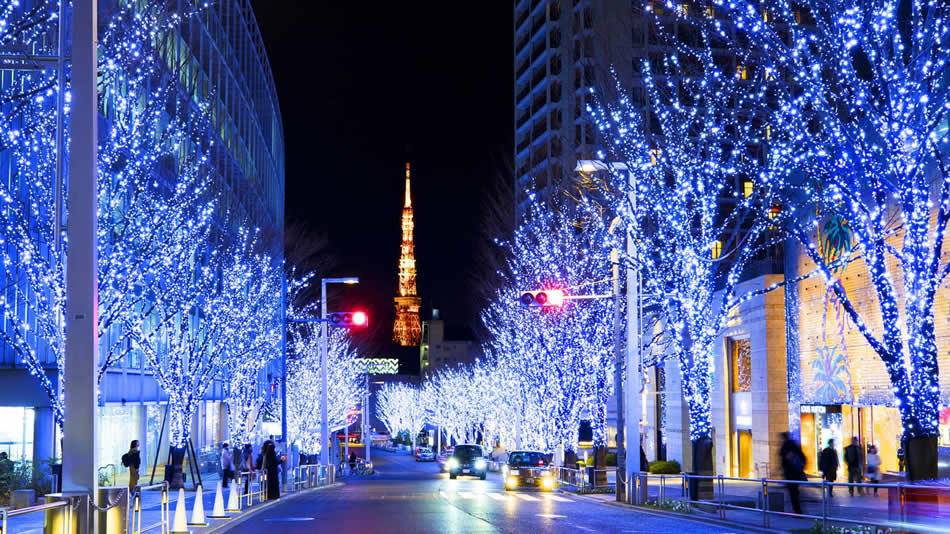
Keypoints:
(324, 433)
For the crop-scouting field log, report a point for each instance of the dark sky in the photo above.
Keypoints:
(363, 87)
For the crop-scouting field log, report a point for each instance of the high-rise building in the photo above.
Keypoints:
(557, 61)
(407, 329)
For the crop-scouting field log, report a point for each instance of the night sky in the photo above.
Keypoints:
(365, 87)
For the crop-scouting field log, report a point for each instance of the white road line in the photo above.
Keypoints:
(497, 497)
(552, 516)
(558, 498)
(524, 497)
(465, 495)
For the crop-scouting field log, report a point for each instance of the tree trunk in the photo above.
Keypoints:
(920, 456)
(702, 489)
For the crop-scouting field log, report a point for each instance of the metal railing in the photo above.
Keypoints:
(67, 506)
(710, 493)
(135, 522)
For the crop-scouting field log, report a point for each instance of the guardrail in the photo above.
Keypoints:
(135, 523)
(709, 492)
(65, 507)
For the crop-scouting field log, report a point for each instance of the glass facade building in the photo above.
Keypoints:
(218, 56)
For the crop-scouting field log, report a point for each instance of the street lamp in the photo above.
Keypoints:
(628, 409)
(324, 426)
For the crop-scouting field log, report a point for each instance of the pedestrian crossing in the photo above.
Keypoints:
(508, 496)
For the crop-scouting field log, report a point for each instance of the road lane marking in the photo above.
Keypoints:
(289, 519)
(465, 495)
(558, 498)
(552, 516)
(497, 497)
(524, 497)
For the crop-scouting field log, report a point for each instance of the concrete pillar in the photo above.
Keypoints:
(82, 360)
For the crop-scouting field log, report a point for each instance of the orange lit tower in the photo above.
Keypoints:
(407, 330)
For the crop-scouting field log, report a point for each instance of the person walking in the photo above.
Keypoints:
(133, 460)
(227, 465)
(854, 458)
(272, 466)
(874, 467)
(828, 464)
(793, 467)
(247, 466)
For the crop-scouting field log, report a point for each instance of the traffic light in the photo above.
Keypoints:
(543, 298)
(356, 319)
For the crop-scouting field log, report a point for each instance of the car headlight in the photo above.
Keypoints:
(452, 463)
(511, 481)
(547, 474)
(480, 464)
(547, 482)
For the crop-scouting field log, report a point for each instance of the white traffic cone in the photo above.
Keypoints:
(198, 511)
(234, 498)
(180, 524)
(218, 511)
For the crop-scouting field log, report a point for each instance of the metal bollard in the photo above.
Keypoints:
(722, 499)
(824, 505)
(765, 503)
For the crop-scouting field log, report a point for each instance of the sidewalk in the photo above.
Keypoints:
(152, 506)
(859, 507)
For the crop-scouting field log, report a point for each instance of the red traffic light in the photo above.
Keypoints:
(357, 319)
(543, 298)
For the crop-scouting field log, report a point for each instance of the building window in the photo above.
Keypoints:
(716, 249)
(748, 187)
(741, 366)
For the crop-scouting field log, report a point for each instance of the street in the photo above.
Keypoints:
(414, 497)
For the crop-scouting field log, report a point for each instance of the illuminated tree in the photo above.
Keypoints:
(401, 408)
(687, 196)
(345, 383)
(552, 355)
(860, 108)
(147, 224)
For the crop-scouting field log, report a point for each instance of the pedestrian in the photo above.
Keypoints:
(227, 465)
(6, 465)
(828, 464)
(854, 458)
(793, 467)
(874, 467)
(644, 463)
(352, 461)
(133, 460)
(247, 466)
(272, 466)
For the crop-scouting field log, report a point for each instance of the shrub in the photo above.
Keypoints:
(612, 459)
(665, 468)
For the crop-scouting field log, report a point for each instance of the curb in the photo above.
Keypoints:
(223, 526)
(687, 517)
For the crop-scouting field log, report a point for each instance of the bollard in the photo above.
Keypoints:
(234, 498)
(198, 511)
(180, 526)
(217, 512)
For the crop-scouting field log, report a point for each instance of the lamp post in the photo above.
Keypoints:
(324, 425)
(627, 406)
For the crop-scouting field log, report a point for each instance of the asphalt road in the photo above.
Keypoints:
(414, 497)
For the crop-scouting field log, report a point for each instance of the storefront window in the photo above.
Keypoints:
(16, 433)
(945, 427)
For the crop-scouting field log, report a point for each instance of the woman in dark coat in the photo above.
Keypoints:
(271, 463)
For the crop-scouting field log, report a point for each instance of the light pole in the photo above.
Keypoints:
(628, 409)
(324, 425)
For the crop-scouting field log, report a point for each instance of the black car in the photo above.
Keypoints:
(467, 460)
(529, 469)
